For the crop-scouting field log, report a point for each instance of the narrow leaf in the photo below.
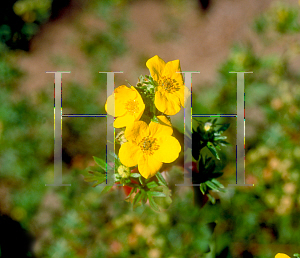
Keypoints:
(141, 181)
(218, 138)
(137, 198)
(212, 199)
(152, 203)
(135, 175)
(100, 162)
(161, 179)
(213, 150)
(223, 128)
(216, 182)
(151, 184)
(157, 194)
(95, 176)
(203, 188)
(212, 186)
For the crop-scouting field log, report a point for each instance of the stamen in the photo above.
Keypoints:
(168, 84)
(148, 145)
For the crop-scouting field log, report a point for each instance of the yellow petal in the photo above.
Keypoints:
(114, 107)
(115, 104)
(137, 94)
(129, 154)
(178, 78)
(183, 94)
(141, 105)
(156, 130)
(169, 149)
(148, 165)
(137, 131)
(124, 121)
(171, 70)
(164, 120)
(156, 67)
(167, 103)
(123, 93)
(281, 255)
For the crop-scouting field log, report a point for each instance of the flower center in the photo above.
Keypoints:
(168, 84)
(148, 145)
(132, 106)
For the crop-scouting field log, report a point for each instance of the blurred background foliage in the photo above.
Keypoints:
(76, 221)
(20, 20)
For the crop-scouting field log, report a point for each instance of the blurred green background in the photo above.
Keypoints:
(86, 37)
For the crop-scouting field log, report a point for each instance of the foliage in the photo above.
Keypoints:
(20, 20)
(79, 221)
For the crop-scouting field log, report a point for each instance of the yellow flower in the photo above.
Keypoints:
(281, 255)
(169, 93)
(128, 106)
(148, 147)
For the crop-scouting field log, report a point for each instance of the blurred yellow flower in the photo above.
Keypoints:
(281, 255)
(169, 93)
(126, 104)
(148, 147)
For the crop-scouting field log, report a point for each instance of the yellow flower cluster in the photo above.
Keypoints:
(149, 145)
(281, 255)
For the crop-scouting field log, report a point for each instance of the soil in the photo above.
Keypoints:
(201, 40)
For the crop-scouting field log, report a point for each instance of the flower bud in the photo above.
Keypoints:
(207, 126)
(123, 171)
(121, 138)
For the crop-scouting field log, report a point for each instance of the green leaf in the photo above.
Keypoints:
(213, 150)
(135, 175)
(138, 197)
(218, 147)
(203, 188)
(163, 203)
(145, 198)
(156, 194)
(100, 162)
(209, 166)
(152, 203)
(141, 180)
(154, 119)
(217, 183)
(161, 179)
(212, 199)
(151, 184)
(223, 143)
(212, 186)
(106, 189)
(223, 128)
(218, 138)
(99, 177)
